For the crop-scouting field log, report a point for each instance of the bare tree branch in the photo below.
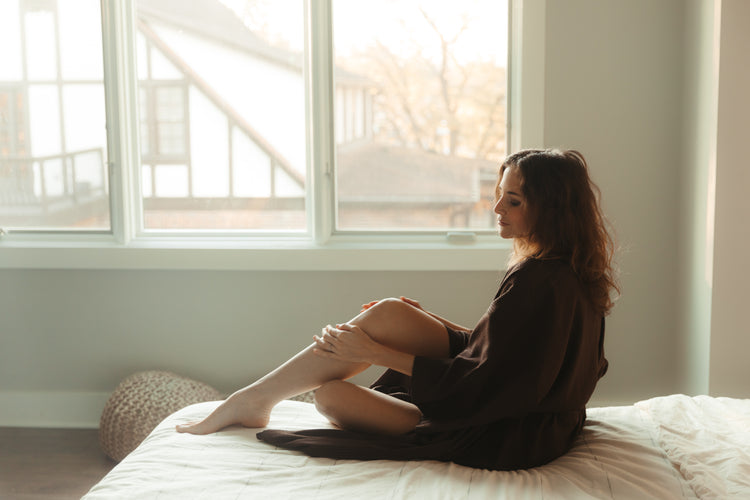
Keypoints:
(424, 92)
(482, 146)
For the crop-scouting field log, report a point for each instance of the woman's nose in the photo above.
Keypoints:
(498, 207)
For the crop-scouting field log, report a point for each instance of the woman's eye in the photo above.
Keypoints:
(515, 203)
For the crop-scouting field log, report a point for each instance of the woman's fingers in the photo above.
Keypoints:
(369, 305)
(326, 340)
(330, 335)
(327, 344)
(411, 302)
(344, 341)
(330, 332)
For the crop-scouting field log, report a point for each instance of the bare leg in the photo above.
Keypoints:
(391, 322)
(362, 409)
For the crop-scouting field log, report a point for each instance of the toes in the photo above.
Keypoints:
(181, 427)
(191, 428)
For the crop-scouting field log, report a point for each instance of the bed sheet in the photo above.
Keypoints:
(616, 457)
(707, 440)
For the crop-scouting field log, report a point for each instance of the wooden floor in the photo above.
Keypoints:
(48, 464)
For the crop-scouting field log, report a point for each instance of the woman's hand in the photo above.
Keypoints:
(346, 342)
(368, 305)
(412, 302)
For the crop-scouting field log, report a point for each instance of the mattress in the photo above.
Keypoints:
(671, 447)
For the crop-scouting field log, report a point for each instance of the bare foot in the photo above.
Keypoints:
(241, 408)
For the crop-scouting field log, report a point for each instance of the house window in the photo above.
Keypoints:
(52, 123)
(164, 124)
(222, 122)
(421, 113)
(231, 112)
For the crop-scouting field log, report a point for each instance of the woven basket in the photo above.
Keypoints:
(140, 402)
(306, 397)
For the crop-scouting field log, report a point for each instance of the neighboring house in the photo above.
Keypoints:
(222, 121)
(377, 183)
(222, 102)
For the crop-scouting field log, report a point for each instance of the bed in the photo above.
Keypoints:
(667, 447)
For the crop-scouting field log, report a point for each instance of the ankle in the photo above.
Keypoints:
(255, 396)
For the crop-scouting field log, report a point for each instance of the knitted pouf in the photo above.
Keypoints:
(305, 397)
(140, 402)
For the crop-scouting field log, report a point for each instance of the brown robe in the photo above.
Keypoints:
(512, 395)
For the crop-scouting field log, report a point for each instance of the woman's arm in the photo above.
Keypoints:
(350, 343)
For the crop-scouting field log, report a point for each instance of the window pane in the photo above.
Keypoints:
(40, 27)
(222, 115)
(420, 104)
(81, 55)
(52, 116)
(10, 41)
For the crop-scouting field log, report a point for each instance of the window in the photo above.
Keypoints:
(222, 116)
(309, 119)
(52, 124)
(420, 112)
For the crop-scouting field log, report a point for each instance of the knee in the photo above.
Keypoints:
(328, 396)
(389, 305)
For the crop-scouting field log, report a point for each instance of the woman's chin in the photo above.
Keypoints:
(504, 233)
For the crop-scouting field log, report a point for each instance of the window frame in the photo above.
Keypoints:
(321, 247)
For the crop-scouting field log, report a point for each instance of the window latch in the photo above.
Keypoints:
(461, 238)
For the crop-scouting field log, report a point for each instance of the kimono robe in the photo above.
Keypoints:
(512, 394)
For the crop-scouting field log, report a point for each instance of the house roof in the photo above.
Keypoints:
(367, 171)
(213, 20)
(372, 172)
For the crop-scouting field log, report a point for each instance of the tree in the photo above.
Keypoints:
(429, 98)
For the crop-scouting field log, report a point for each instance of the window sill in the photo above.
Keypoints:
(353, 254)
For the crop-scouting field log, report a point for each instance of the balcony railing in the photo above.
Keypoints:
(33, 188)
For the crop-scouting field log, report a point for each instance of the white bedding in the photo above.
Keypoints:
(707, 440)
(671, 447)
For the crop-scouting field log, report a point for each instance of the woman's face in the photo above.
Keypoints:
(511, 207)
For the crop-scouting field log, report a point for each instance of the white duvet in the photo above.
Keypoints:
(707, 440)
(669, 448)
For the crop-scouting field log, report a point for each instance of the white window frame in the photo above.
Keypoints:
(321, 248)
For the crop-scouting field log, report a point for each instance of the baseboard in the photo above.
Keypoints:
(52, 409)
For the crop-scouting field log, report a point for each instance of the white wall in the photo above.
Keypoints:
(730, 330)
(615, 87)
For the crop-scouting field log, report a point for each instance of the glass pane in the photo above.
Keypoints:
(10, 41)
(222, 103)
(420, 104)
(171, 181)
(53, 152)
(41, 62)
(81, 55)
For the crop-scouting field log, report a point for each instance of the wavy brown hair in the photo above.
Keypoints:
(565, 218)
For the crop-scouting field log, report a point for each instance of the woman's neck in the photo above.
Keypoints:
(522, 250)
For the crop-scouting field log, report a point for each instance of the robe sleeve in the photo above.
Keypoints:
(515, 356)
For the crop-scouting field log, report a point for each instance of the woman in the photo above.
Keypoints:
(509, 393)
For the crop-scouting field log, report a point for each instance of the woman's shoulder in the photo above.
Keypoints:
(542, 270)
(535, 283)
(541, 277)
